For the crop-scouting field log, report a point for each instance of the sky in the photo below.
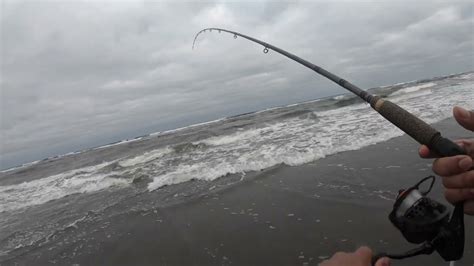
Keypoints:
(79, 74)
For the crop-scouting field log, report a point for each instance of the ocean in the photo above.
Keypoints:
(62, 201)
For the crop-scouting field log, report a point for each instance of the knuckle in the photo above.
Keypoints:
(464, 180)
(469, 178)
(446, 182)
(448, 166)
(435, 166)
(442, 166)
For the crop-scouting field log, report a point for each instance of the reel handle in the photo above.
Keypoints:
(425, 248)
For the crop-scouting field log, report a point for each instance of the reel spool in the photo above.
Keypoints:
(421, 219)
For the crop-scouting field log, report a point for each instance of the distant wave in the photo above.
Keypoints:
(295, 141)
(146, 157)
(20, 166)
(340, 97)
(292, 135)
(412, 89)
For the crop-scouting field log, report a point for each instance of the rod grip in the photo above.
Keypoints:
(416, 128)
(445, 147)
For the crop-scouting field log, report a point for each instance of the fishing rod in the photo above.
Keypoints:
(410, 124)
(419, 218)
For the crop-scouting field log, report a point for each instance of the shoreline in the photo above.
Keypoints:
(284, 215)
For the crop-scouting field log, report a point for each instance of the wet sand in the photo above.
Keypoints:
(280, 216)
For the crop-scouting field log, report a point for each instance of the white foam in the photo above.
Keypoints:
(146, 157)
(39, 191)
(413, 89)
(467, 76)
(291, 141)
(295, 141)
(339, 97)
(244, 156)
(248, 135)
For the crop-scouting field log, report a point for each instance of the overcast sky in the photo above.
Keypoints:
(78, 74)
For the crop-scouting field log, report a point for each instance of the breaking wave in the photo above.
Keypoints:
(296, 141)
(39, 191)
(292, 135)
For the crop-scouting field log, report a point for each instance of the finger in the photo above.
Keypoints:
(464, 117)
(455, 195)
(448, 166)
(324, 263)
(383, 262)
(466, 145)
(425, 152)
(469, 207)
(365, 254)
(464, 180)
(334, 259)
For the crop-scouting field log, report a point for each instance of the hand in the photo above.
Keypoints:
(361, 257)
(457, 172)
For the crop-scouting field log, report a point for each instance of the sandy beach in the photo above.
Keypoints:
(280, 216)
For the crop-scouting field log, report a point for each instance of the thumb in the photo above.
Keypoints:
(464, 117)
(383, 262)
(365, 254)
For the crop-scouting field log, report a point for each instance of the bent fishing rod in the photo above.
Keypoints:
(410, 124)
(431, 226)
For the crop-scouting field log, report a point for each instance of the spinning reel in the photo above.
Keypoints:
(425, 221)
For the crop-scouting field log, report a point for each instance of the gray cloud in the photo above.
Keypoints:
(80, 74)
